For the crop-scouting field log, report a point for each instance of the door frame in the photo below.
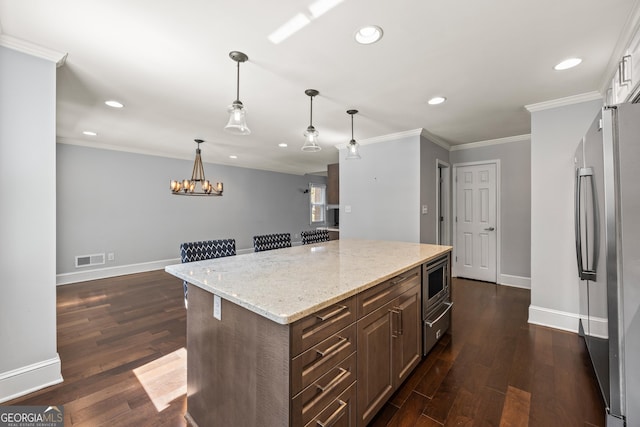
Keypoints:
(454, 263)
(446, 202)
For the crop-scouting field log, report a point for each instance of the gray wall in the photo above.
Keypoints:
(383, 191)
(111, 201)
(555, 134)
(28, 358)
(429, 153)
(515, 201)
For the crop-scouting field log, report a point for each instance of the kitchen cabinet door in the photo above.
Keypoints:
(375, 376)
(407, 341)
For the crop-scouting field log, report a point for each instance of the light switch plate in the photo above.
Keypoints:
(425, 209)
(347, 209)
(217, 307)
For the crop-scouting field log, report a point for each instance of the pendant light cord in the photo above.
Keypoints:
(311, 114)
(238, 83)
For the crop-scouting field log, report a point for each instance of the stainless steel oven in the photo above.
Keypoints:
(436, 301)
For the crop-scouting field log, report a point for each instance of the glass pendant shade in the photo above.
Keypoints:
(311, 140)
(237, 119)
(353, 152)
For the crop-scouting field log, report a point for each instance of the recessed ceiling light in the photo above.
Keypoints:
(283, 145)
(233, 156)
(113, 103)
(437, 100)
(567, 63)
(368, 34)
(90, 133)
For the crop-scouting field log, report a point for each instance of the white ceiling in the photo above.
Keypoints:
(168, 62)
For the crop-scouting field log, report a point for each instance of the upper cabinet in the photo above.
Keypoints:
(624, 86)
(333, 184)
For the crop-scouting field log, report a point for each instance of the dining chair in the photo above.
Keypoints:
(314, 236)
(206, 249)
(267, 242)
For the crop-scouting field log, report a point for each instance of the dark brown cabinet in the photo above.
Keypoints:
(389, 340)
(333, 184)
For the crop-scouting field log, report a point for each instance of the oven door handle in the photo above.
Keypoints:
(433, 322)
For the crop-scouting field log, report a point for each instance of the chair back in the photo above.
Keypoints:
(207, 249)
(267, 242)
(314, 236)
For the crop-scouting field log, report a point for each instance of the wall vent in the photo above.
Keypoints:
(89, 260)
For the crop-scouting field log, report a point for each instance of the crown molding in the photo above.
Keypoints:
(488, 142)
(33, 49)
(562, 102)
(384, 138)
(436, 139)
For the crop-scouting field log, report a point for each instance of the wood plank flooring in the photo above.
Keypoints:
(122, 340)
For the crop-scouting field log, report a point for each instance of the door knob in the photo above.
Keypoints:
(489, 229)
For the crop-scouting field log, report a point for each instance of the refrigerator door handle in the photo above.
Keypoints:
(586, 274)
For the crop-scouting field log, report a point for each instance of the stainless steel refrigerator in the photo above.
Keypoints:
(607, 222)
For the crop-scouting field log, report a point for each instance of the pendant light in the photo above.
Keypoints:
(237, 121)
(353, 152)
(311, 134)
(198, 185)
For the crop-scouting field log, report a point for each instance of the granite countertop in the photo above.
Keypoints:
(285, 285)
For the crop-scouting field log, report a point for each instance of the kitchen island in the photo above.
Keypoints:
(307, 335)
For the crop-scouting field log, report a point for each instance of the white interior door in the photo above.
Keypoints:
(476, 225)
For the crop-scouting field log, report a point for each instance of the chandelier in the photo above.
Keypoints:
(197, 185)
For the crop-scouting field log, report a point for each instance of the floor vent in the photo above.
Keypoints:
(89, 260)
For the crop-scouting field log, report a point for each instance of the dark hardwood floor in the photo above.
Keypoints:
(122, 341)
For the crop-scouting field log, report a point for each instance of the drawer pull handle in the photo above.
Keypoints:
(331, 349)
(396, 331)
(449, 305)
(335, 416)
(333, 382)
(332, 314)
(403, 279)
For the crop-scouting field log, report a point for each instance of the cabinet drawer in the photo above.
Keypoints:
(379, 295)
(319, 326)
(322, 357)
(314, 399)
(435, 326)
(340, 413)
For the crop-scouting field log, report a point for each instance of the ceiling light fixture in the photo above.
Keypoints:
(283, 145)
(311, 134)
(114, 104)
(197, 185)
(89, 133)
(369, 34)
(353, 152)
(237, 119)
(289, 28)
(436, 100)
(567, 63)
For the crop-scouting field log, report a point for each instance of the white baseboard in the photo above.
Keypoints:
(27, 379)
(514, 281)
(102, 273)
(553, 318)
